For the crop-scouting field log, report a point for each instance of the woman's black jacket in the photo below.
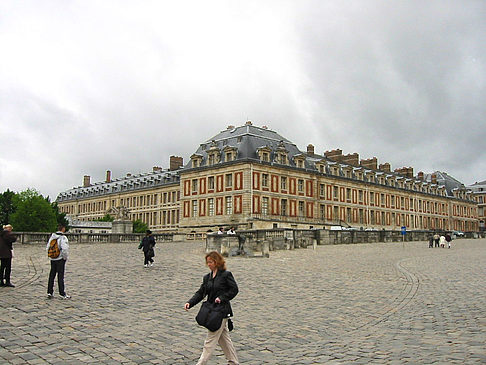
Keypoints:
(222, 286)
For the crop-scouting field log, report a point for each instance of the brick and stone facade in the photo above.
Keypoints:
(251, 178)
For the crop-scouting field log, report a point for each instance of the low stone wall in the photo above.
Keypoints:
(38, 238)
(260, 242)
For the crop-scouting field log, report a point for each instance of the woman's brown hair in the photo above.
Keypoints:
(218, 259)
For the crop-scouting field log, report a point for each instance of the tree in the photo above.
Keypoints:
(33, 213)
(7, 206)
(60, 217)
(139, 226)
(106, 218)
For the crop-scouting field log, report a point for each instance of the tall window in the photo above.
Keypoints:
(194, 185)
(322, 189)
(283, 183)
(300, 185)
(229, 180)
(264, 205)
(211, 182)
(229, 205)
(211, 206)
(283, 207)
(336, 192)
(348, 194)
(265, 180)
(194, 208)
(322, 211)
(301, 209)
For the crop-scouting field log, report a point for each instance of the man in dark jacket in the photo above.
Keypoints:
(148, 244)
(6, 241)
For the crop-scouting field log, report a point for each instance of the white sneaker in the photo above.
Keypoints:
(151, 264)
(65, 296)
(146, 265)
(50, 296)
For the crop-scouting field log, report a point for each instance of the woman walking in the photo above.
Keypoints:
(148, 244)
(220, 287)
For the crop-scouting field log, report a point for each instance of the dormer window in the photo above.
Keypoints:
(265, 157)
(264, 154)
(230, 153)
(299, 161)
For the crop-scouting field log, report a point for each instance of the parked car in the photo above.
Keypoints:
(458, 233)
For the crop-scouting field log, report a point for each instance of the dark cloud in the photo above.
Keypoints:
(89, 87)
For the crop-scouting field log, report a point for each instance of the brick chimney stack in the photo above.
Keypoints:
(108, 176)
(351, 159)
(175, 163)
(156, 169)
(420, 175)
(310, 150)
(86, 181)
(385, 167)
(433, 178)
(335, 155)
(370, 163)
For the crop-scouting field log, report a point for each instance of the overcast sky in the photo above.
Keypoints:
(90, 86)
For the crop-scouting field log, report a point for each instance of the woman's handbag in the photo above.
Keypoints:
(210, 316)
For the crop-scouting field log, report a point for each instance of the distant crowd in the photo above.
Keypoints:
(440, 240)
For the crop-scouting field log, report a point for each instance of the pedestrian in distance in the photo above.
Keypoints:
(58, 244)
(220, 287)
(436, 239)
(7, 238)
(442, 241)
(147, 245)
(448, 239)
(231, 231)
(431, 241)
(221, 230)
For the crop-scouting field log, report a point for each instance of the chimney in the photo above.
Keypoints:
(370, 163)
(334, 155)
(86, 181)
(175, 163)
(248, 123)
(230, 127)
(420, 175)
(129, 174)
(385, 167)
(433, 178)
(156, 169)
(351, 159)
(310, 150)
(409, 172)
(108, 176)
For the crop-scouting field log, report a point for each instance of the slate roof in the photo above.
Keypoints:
(445, 179)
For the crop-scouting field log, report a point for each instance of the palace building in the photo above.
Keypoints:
(250, 177)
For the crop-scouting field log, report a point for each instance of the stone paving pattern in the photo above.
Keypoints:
(390, 303)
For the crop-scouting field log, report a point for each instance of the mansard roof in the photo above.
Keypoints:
(446, 180)
(127, 183)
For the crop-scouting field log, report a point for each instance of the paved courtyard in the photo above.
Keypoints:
(376, 303)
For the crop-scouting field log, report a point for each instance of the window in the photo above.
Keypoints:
(300, 164)
(336, 213)
(283, 183)
(361, 220)
(393, 201)
(229, 156)
(194, 208)
(322, 211)
(194, 185)
(211, 206)
(229, 180)
(348, 194)
(322, 190)
(211, 159)
(265, 180)
(300, 185)
(229, 205)
(264, 205)
(336, 192)
(382, 199)
(211, 182)
(301, 209)
(349, 216)
(265, 157)
(360, 196)
(283, 207)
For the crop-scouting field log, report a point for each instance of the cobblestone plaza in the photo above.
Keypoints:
(388, 303)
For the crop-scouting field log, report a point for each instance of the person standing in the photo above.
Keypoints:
(221, 230)
(6, 254)
(436, 239)
(148, 244)
(220, 287)
(231, 231)
(58, 264)
(442, 241)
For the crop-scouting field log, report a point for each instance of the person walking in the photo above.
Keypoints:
(220, 287)
(6, 254)
(431, 241)
(58, 264)
(442, 241)
(448, 239)
(436, 239)
(148, 244)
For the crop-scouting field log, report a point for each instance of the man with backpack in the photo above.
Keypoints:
(57, 251)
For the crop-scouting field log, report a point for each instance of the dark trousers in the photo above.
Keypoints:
(148, 258)
(6, 269)
(57, 267)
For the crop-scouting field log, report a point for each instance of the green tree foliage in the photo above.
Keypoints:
(139, 226)
(33, 213)
(106, 218)
(60, 217)
(7, 206)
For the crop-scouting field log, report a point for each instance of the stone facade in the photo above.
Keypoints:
(253, 178)
(479, 195)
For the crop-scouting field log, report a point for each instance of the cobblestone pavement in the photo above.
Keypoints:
(376, 303)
